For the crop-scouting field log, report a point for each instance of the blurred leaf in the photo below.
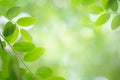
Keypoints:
(75, 3)
(26, 21)
(105, 4)
(102, 19)
(115, 22)
(12, 38)
(44, 72)
(23, 46)
(113, 5)
(96, 9)
(9, 29)
(13, 12)
(26, 35)
(87, 2)
(3, 43)
(34, 54)
(56, 78)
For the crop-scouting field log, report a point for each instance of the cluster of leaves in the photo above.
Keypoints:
(105, 11)
(10, 37)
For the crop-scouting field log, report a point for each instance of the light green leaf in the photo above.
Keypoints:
(23, 46)
(26, 21)
(115, 22)
(113, 5)
(26, 35)
(75, 3)
(9, 29)
(57, 78)
(96, 9)
(13, 12)
(44, 72)
(12, 38)
(34, 54)
(105, 4)
(102, 19)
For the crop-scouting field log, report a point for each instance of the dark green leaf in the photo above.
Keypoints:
(12, 38)
(102, 19)
(34, 54)
(44, 72)
(56, 78)
(26, 21)
(23, 46)
(26, 35)
(113, 5)
(13, 12)
(115, 22)
(9, 29)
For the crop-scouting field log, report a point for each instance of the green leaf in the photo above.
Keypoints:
(105, 4)
(44, 72)
(23, 46)
(12, 38)
(26, 35)
(26, 21)
(9, 29)
(34, 54)
(102, 19)
(57, 78)
(96, 9)
(3, 43)
(115, 22)
(113, 5)
(13, 12)
(75, 3)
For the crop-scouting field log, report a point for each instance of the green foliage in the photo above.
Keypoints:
(56, 78)
(96, 9)
(23, 46)
(26, 21)
(113, 4)
(26, 35)
(34, 54)
(105, 4)
(9, 29)
(102, 19)
(115, 22)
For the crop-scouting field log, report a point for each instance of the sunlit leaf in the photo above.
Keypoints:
(96, 9)
(26, 21)
(115, 22)
(75, 3)
(9, 29)
(34, 54)
(13, 12)
(113, 5)
(57, 78)
(87, 2)
(23, 46)
(102, 19)
(12, 38)
(44, 72)
(26, 35)
(105, 4)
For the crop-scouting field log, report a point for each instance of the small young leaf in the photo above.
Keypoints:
(9, 29)
(96, 9)
(102, 19)
(34, 54)
(115, 22)
(44, 72)
(105, 4)
(12, 38)
(23, 46)
(57, 78)
(26, 21)
(13, 12)
(113, 5)
(26, 35)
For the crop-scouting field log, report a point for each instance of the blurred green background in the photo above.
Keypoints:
(75, 48)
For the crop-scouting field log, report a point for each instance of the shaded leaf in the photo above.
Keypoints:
(57, 78)
(9, 29)
(113, 5)
(102, 19)
(34, 54)
(13, 12)
(26, 35)
(44, 72)
(115, 22)
(23, 46)
(26, 21)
